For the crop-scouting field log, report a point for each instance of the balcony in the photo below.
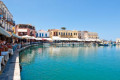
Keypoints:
(9, 30)
(4, 15)
(10, 21)
(13, 23)
(66, 36)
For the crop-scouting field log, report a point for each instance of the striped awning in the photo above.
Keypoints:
(4, 32)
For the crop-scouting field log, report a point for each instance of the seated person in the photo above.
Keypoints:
(9, 46)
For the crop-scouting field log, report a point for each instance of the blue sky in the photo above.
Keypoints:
(102, 16)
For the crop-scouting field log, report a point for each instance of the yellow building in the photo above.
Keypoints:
(63, 33)
(53, 32)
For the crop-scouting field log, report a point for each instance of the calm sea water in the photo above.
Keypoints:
(70, 63)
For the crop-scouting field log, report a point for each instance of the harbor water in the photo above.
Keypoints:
(70, 63)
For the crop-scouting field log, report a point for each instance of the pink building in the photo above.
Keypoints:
(25, 29)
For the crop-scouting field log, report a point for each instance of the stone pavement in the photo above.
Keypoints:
(12, 68)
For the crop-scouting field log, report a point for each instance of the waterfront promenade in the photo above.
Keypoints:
(12, 68)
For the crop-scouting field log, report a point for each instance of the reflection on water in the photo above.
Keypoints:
(118, 47)
(70, 63)
(28, 56)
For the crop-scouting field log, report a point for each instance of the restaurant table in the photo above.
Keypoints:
(5, 54)
(1, 62)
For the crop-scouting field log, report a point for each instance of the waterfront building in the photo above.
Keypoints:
(68, 34)
(25, 30)
(93, 35)
(6, 18)
(87, 35)
(63, 33)
(42, 34)
(80, 34)
(118, 41)
(53, 32)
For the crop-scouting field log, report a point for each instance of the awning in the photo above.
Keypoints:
(73, 39)
(55, 38)
(80, 40)
(48, 39)
(38, 38)
(92, 39)
(98, 40)
(14, 35)
(26, 37)
(64, 39)
(5, 33)
(87, 40)
(32, 37)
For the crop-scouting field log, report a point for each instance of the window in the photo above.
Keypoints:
(56, 33)
(71, 34)
(59, 33)
(66, 33)
(46, 35)
(74, 33)
(40, 35)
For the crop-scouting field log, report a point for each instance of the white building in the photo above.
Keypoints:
(87, 35)
(118, 40)
(42, 34)
(6, 18)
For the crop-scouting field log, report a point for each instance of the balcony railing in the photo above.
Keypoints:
(4, 15)
(11, 21)
(9, 30)
(66, 36)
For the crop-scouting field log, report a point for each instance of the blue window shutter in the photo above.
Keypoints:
(46, 35)
(36, 34)
(40, 34)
